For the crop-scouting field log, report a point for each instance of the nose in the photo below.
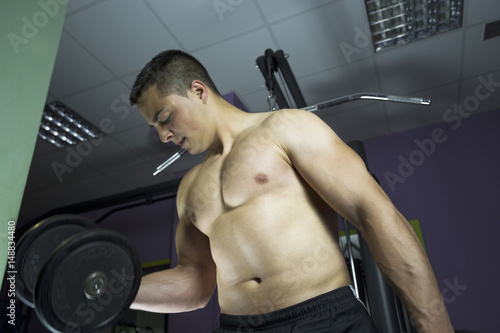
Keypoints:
(165, 136)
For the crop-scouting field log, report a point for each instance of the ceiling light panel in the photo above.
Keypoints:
(398, 22)
(61, 126)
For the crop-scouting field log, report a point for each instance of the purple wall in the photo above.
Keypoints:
(453, 187)
(233, 99)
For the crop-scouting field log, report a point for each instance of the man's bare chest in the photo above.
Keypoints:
(241, 178)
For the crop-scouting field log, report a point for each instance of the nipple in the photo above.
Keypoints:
(261, 178)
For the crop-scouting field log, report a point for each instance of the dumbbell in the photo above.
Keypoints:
(77, 277)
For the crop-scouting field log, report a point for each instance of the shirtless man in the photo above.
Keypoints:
(258, 219)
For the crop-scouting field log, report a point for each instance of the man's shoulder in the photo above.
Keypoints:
(290, 122)
(285, 117)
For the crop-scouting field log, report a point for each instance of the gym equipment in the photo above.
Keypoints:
(171, 160)
(324, 105)
(36, 245)
(368, 96)
(276, 62)
(86, 282)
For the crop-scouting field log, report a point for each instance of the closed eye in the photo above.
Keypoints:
(165, 122)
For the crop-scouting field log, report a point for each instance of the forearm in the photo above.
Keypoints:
(172, 291)
(405, 265)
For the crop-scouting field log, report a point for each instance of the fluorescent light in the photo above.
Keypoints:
(62, 126)
(398, 22)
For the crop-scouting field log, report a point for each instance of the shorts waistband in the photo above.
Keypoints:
(335, 299)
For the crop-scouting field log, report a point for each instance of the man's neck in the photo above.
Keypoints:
(229, 122)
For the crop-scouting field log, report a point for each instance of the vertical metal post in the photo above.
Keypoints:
(380, 294)
(271, 82)
(290, 80)
(273, 62)
(351, 256)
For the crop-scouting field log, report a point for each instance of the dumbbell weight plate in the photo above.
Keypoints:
(36, 245)
(87, 282)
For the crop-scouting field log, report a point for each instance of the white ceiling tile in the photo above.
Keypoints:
(257, 101)
(485, 96)
(403, 117)
(145, 142)
(108, 101)
(480, 56)
(231, 64)
(109, 155)
(124, 34)
(339, 82)
(75, 69)
(357, 124)
(75, 5)
(279, 9)
(420, 65)
(43, 147)
(326, 37)
(478, 11)
(202, 23)
(50, 99)
(129, 80)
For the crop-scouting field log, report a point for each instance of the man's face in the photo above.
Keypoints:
(176, 118)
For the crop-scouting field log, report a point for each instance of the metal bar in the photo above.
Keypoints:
(351, 257)
(171, 160)
(181, 152)
(290, 80)
(147, 201)
(324, 105)
(271, 82)
(368, 96)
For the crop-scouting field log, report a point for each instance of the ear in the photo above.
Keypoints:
(200, 90)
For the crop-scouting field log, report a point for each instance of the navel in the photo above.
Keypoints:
(257, 279)
(261, 178)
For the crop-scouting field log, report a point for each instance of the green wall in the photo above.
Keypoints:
(30, 31)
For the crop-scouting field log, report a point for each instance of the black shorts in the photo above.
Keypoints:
(336, 311)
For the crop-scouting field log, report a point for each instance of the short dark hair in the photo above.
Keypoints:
(172, 71)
